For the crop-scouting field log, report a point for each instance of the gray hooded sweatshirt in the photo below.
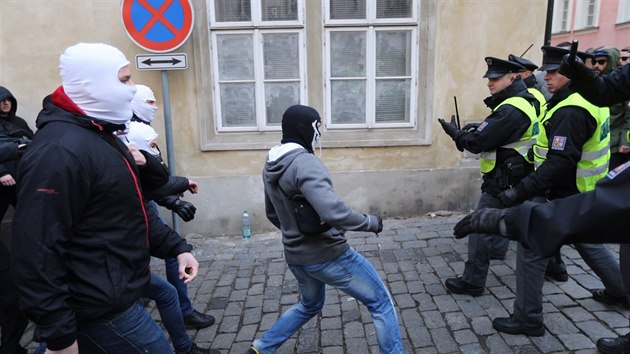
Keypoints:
(290, 170)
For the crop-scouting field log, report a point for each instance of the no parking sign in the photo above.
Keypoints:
(158, 26)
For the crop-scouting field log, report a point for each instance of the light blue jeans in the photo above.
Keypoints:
(355, 276)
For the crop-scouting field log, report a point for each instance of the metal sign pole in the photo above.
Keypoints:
(168, 129)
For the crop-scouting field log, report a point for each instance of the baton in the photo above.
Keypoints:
(457, 112)
(527, 50)
(574, 46)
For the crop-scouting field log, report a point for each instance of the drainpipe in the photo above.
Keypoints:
(548, 23)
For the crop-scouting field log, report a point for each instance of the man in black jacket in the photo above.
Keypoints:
(83, 233)
(502, 140)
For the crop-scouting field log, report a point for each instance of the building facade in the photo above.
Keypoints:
(380, 72)
(595, 23)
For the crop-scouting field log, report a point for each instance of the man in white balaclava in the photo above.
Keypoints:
(143, 105)
(82, 233)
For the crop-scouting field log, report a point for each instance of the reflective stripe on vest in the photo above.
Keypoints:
(488, 159)
(593, 164)
(541, 101)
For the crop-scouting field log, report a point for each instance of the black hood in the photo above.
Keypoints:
(52, 113)
(298, 127)
(5, 93)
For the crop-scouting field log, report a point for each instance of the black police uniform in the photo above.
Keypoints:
(505, 125)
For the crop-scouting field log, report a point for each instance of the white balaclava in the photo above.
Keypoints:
(140, 107)
(141, 135)
(89, 75)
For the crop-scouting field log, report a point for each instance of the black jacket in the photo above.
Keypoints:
(598, 216)
(605, 90)
(503, 126)
(82, 232)
(556, 177)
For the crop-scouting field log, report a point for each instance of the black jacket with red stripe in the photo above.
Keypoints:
(82, 231)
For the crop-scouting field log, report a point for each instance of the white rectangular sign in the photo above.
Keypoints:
(173, 61)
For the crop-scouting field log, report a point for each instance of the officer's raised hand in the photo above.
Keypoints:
(450, 128)
(575, 69)
(486, 221)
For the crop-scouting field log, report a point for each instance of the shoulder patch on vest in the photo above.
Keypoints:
(613, 173)
(558, 142)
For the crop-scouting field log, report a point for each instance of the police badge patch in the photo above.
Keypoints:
(482, 125)
(558, 142)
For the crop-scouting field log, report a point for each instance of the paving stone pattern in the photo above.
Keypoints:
(246, 285)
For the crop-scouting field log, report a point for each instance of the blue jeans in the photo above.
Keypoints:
(130, 331)
(354, 275)
(172, 275)
(165, 297)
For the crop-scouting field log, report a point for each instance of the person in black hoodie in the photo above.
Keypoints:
(16, 131)
(502, 140)
(83, 233)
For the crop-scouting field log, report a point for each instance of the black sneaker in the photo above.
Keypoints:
(252, 350)
(459, 286)
(601, 295)
(197, 320)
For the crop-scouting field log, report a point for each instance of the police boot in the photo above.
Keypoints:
(617, 345)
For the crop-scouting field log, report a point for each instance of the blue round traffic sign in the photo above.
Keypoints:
(158, 26)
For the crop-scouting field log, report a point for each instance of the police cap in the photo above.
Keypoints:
(499, 67)
(523, 62)
(552, 57)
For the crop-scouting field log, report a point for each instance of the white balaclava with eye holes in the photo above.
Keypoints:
(89, 75)
(142, 135)
(143, 110)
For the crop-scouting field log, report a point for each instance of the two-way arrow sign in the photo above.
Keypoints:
(174, 61)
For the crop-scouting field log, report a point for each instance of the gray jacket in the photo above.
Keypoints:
(291, 170)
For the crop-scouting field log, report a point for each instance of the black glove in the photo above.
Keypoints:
(510, 197)
(470, 127)
(450, 128)
(375, 224)
(576, 70)
(184, 209)
(485, 221)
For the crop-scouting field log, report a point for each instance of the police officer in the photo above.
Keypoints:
(556, 269)
(571, 155)
(502, 140)
(530, 80)
(544, 227)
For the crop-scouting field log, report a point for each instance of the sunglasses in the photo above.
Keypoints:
(600, 61)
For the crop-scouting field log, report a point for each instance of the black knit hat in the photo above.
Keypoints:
(299, 125)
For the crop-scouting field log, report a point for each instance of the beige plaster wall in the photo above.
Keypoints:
(34, 33)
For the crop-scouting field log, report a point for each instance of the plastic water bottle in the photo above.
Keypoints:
(247, 232)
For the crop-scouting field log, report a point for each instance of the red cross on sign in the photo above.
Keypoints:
(158, 26)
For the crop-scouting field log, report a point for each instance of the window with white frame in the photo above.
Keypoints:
(561, 16)
(257, 62)
(623, 12)
(371, 63)
(586, 14)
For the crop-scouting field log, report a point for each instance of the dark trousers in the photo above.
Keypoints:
(12, 322)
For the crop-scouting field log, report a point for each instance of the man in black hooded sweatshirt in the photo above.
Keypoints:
(14, 128)
(318, 253)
